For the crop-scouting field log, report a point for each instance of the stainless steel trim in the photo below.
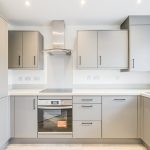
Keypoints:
(100, 60)
(87, 99)
(55, 107)
(34, 60)
(58, 51)
(19, 60)
(119, 99)
(133, 63)
(87, 123)
(34, 107)
(55, 133)
(80, 60)
(87, 106)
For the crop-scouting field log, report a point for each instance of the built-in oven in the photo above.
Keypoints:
(54, 117)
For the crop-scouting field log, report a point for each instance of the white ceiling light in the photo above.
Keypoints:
(83, 2)
(27, 3)
(139, 1)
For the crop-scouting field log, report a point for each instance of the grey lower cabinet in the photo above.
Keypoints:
(25, 115)
(146, 121)
(119, 117)
(87, 117)
(25, 50)
(4, 120)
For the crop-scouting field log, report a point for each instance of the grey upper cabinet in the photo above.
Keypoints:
(119, 117)
(15, 49)
(25, 50)
(146, 121)
(139, 42)
(113, 49)
(140, 48)
(25, 117)
(87, 49)
(103, 49)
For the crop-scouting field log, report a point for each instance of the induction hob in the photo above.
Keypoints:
(56, 91)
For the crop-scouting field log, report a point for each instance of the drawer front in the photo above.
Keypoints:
(87, 112)
(86, 129)
(87, 99)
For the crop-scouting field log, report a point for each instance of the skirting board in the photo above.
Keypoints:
(148, 148)
(75, 141)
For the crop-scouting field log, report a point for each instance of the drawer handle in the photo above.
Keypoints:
(87, 123)
(119, 99)
(87, 99)
(86, 106)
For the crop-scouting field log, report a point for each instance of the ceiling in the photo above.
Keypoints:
(94, 12)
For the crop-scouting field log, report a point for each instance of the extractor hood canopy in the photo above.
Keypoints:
(58, 39)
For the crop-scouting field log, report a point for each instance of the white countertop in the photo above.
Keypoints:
(101, 92)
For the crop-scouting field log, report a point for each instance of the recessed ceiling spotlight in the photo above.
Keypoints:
(83, 2)
(139, 1)
(27, 3)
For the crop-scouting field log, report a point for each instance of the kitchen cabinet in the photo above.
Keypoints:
(25, 116)
(146, 121)
(113, 49)
(103, 49)
(87, 117)
(87, 49)
(4, 121)
(25, 50)
(139, 42)
(3, 58)
(15, 49)
(87, 129)
(119, 117)
(140, 48)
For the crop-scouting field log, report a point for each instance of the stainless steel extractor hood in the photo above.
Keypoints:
(58, 39)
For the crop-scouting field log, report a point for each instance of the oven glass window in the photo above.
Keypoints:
(55, 120)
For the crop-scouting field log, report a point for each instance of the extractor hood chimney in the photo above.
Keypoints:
(58, 39)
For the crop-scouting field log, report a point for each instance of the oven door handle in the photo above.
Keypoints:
(63, 107)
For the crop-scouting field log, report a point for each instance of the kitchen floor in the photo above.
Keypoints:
(75, 147)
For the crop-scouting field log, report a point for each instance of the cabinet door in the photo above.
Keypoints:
(3, 58)
(87, 111)
(87, 129)
(30, 49)
(140, 48)
(4, 121)
(87, 49)
(25, 117)
(146, 124)
(119, 117)
(15, 49)
(113, 49)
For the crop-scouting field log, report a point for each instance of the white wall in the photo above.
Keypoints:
(58, 69)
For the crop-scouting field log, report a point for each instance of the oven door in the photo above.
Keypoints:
(53, 119)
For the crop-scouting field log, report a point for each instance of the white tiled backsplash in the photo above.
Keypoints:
(60, 71)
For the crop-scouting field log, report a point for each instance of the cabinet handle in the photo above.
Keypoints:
(79, 60)
(133, 63)
(100, 60)
(86, 106)
(34, 107)
(19, 61)
(34, 60)
(87, 123)
(119, 99)
(87, 99)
